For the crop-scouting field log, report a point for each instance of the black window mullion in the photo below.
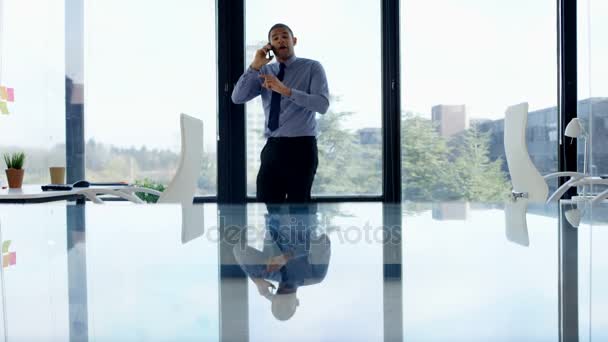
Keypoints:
(567, 90)
(231, 152)
(391, 107)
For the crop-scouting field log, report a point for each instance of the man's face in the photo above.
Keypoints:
(282, 42)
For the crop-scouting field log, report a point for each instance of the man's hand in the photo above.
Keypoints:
(263, 287)
(276, 262)
(272, 82)
(259, 60)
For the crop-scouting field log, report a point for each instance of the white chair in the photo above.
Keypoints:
(526, 180)
(182, 187)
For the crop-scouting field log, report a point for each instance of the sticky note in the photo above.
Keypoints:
(5, 245)
(9, 259)
(10, 94)
(3, 93)
(3, 108)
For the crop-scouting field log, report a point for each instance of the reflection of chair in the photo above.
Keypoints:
(526, 180)
(183, 186)
(516, 226)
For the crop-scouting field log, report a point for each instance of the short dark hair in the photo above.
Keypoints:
(279, 25)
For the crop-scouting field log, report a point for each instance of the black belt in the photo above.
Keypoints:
(292, 139)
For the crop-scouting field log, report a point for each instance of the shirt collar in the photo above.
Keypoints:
(290, 60)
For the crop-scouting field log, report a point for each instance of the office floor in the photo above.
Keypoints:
(416, 272)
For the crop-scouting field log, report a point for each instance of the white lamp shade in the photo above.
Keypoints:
(574, 128)
(573, 217)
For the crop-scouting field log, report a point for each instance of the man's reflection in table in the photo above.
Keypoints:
(295, 254)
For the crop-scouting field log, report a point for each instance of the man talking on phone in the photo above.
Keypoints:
(293, 90)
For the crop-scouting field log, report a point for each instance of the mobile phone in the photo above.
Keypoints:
(269, 55)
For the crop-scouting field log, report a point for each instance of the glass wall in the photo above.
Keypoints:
(145, 63)
(593, 113)
(463, 63)
(348, 47)
(32, 81)
(593, 86)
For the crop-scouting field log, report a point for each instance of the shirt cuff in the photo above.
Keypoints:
(250, 69)
(298, 96)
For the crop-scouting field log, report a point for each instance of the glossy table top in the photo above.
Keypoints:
(416, 272)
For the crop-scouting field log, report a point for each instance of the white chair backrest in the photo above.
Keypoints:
(524, 175)
(182, 187)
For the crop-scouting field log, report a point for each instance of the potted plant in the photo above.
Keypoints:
(14, 169)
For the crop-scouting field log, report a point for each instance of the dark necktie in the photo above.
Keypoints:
(275, 103)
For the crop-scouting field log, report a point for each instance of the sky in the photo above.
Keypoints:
(145, 62)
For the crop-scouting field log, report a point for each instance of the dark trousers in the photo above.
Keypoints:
(287, 170)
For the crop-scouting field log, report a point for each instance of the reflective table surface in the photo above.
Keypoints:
(324, 272)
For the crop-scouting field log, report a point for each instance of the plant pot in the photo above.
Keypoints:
(15, 178)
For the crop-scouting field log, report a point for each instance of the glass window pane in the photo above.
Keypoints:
(593, 87)
(593, 114)
(145, 63)
(35, 124)
(463, 63)
(349, 140)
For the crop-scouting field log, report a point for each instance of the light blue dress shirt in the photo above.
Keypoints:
(309, 95)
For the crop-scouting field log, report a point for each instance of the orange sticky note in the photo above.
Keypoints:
(3, 108)
(3, 93)
(9, 259)
(10, 94)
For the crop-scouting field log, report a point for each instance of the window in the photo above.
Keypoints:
(349, 141)
(145, 63)
(593, 84)
(463, 63)
(36, 123)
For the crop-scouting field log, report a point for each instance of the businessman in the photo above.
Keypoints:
(293, 90)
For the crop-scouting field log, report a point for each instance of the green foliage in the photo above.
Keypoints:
(477, 177)
(345, 165)
(438, 169)
(15, 160)
(149, 184)
(426, 173)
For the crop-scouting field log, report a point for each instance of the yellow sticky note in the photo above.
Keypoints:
(3, 108)
(3, 93)
(5, 245)
(6, 260)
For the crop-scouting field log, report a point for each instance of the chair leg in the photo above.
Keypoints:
(561, 190)
(600, 197)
